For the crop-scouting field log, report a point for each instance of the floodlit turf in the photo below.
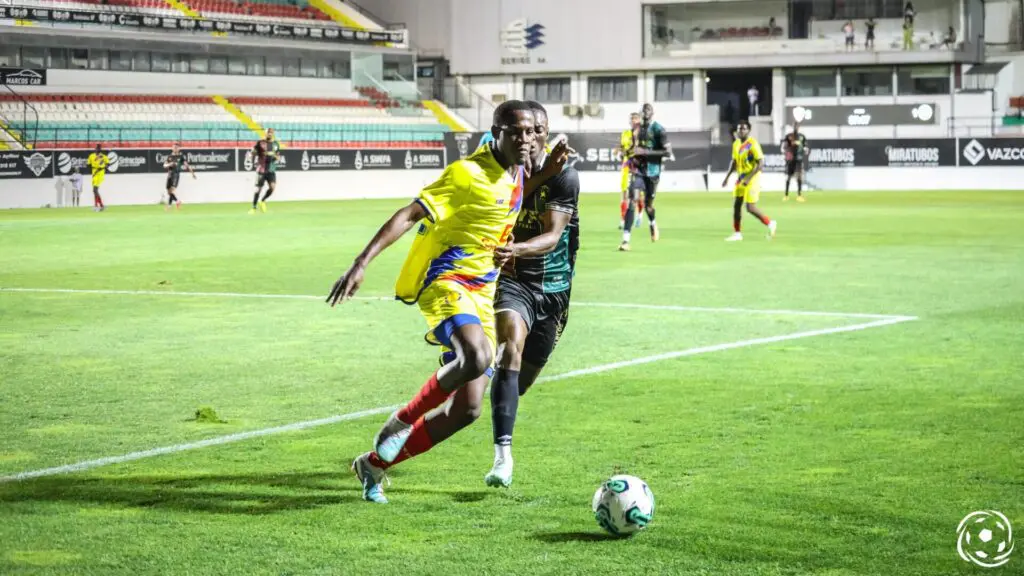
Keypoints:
(853, 453)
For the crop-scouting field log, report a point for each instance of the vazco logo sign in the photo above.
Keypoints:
(519, 38)
(993, 152)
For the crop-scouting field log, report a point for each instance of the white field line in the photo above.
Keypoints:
(87, 464)
(386, 298)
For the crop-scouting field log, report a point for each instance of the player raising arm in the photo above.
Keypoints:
(748, 163)
(532, 304)
(450, 273)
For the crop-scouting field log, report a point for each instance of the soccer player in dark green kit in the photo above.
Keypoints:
(174, 164)
(265, 154)
(532, 302)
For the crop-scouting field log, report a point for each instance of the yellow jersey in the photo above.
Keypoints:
(627, 144)
(471, 210)
(746, 154)
(98, 163)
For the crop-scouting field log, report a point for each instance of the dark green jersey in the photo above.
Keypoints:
(553, 271)
(794, 146)
(175, 163)
(267, 153)
(652, 137)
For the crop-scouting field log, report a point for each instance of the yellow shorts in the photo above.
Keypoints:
(624, 186)
(446, 305)
(750, 193)
(97, 179)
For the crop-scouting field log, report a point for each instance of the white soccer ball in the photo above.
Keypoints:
(623, 505)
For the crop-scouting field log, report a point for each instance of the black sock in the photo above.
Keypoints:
(267, 195)
(787, 186)
(630, 216)
(799, 187)
(171, 198)
(650, 216)
(504, 405)
(255, 198)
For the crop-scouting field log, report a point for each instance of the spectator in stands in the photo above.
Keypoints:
(950, 40)
(909, 12)
(849, 32)
(753, 96)
(771, 27)
(908, 33)
(869, 42)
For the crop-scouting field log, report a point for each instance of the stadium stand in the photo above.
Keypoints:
(81, 120)
(270, 11)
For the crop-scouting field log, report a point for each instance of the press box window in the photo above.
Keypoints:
(611, 89)
(547, 90)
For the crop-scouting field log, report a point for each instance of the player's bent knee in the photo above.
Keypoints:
(475, 361)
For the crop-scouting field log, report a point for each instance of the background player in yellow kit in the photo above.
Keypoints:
(98, 162)
(748, 163)
(450, 273)
(627, 143)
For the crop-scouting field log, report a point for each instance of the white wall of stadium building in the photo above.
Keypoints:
(614, 116)
(109, 82)
(236, 187)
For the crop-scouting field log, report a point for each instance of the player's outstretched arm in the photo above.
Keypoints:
(552, 166)
(391, 231)
(554, 225)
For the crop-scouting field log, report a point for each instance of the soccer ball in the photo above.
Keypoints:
(623, 505)
(985, 538)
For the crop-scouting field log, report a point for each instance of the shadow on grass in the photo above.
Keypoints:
(563, 537)
(253, 494)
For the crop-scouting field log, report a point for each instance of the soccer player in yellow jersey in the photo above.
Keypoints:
(627, 142)
(748, 163)
(450, 273)
(98, 162)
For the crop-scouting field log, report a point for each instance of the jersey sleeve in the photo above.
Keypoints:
(564, 192)
(660, 137)
(441, 198)
(755, 149)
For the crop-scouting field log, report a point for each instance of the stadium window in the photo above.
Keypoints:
(161, 62)
(547, 90)
(291, 67)
(121, 60)
(674, 88)
(236, 65)
(274, 66)
(180, 63)
(866, 81)
(343, 67)
(33, 57)
(307, 68)
(922, 80)
(141, 62)
(58, 57)
(611, 89)
(199, 64)
(325, 68)
(254, 66)
(79, 59)
(10, 56)
(98, 60)
(218, 64)
(811, 82)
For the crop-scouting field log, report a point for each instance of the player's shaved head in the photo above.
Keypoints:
(647, 112)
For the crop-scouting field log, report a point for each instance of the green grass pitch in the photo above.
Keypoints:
(776, 442)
